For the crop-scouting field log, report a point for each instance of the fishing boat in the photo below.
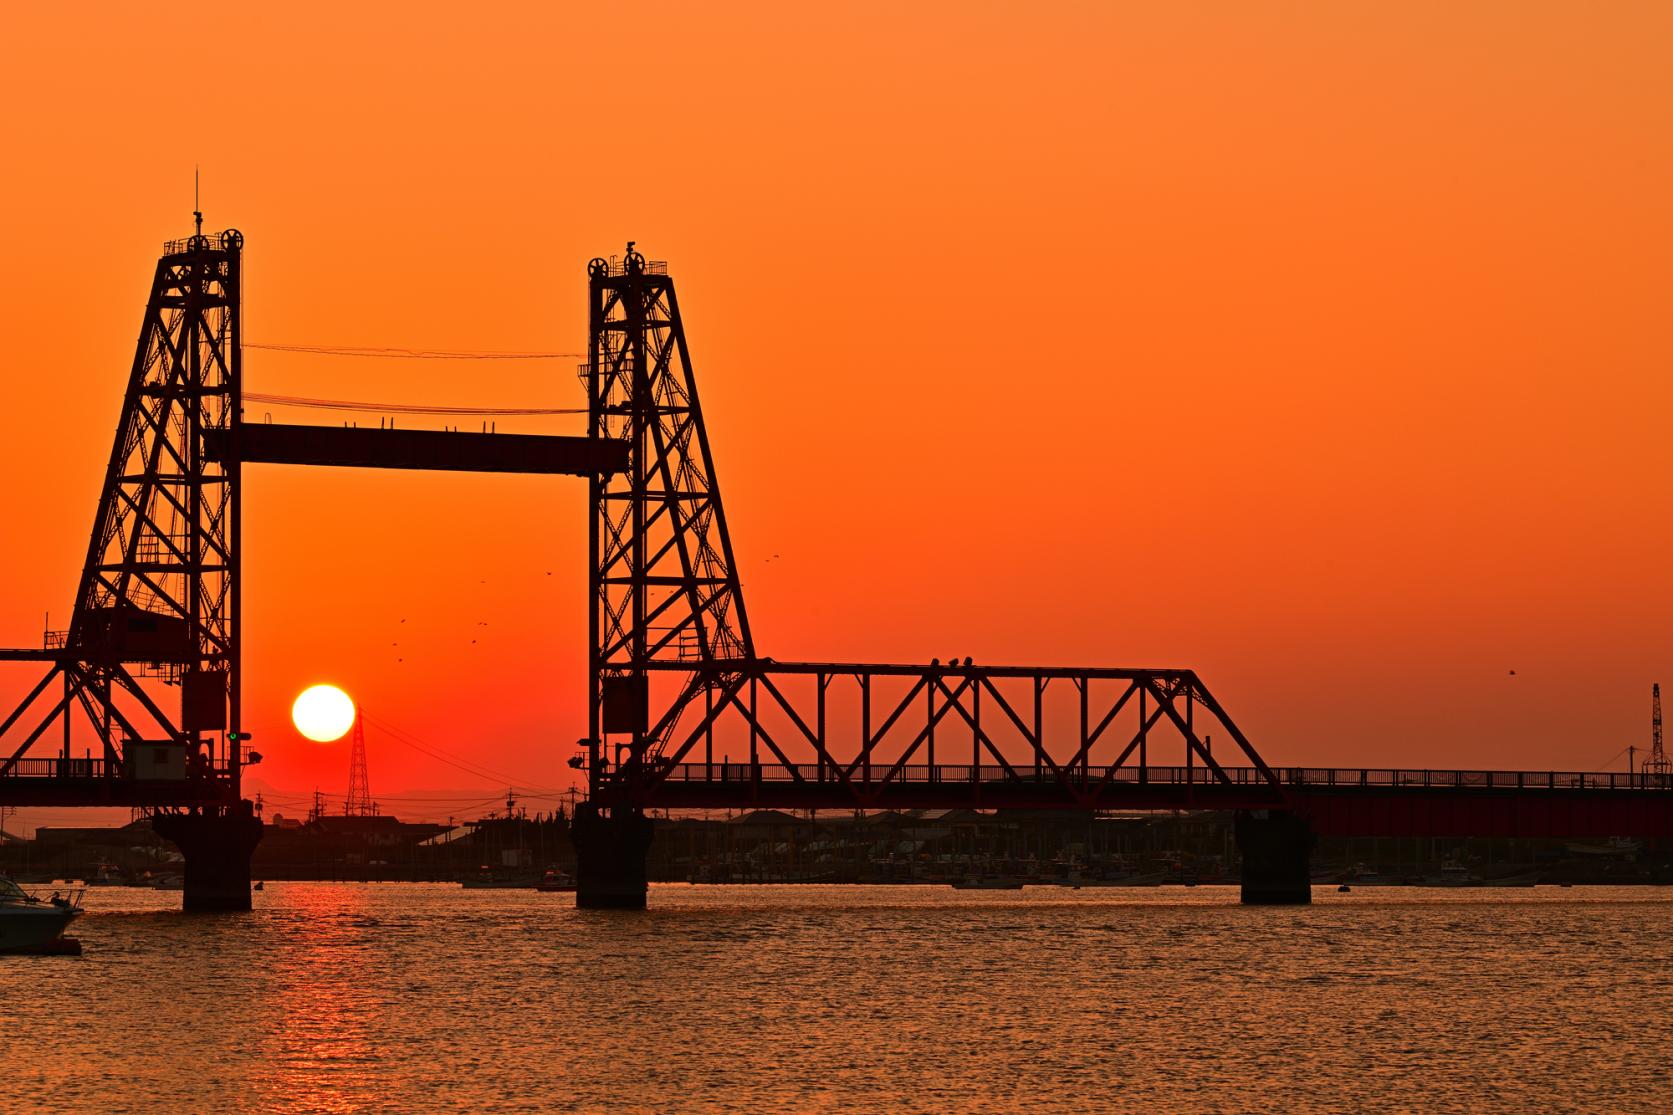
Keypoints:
(29, 924)
(555, 881)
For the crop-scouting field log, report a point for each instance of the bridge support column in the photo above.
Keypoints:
(217, 844)
(610, 851)
(1277, 850)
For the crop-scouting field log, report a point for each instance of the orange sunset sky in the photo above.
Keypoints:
(1322, 348)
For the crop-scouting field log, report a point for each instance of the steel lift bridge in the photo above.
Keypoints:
(683, 711)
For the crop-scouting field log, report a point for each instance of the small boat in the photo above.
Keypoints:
(1360, 875)
(1618, 847)
(258, 885)
(555, 881)
(1138, 879)
(975, 883)
(1453, 874)
(486, 878)
(28, 924)
(1344, 889)
(106, 875)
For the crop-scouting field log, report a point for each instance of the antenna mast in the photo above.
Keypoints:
(1657, 763)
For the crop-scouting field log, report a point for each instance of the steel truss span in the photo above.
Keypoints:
(675, 674)
(885, 735)
(149, 662)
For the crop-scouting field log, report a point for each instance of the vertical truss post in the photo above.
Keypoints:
(708, 730)
(1190, 751)
(68, 693)
(1144, 732)
(865, 729)
(929, 729)
(1081, 687)
(823, 679)
(1039, 727)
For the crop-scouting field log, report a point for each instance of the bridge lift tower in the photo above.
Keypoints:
(149, 662)
(145, 682)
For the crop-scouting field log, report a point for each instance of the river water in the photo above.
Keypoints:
(416, 997)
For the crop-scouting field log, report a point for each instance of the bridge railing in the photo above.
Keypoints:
(947, 772)
(1310, 777)
(1474, 779)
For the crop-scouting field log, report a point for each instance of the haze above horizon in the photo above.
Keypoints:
(1320, 351)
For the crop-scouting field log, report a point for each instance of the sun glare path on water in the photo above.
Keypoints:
(323, 713)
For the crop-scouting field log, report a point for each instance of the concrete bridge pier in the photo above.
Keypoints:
(611, 844)
(1277, 850)
(217, 843)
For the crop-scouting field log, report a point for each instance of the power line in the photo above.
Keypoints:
(455, 761)
(387, 353)
(398, 408)
(1604, 766)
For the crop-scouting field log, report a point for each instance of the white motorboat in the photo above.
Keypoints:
(555, 881)
(1453, 874)
(30, 924)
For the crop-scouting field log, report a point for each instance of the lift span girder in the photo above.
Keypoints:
(439, 450)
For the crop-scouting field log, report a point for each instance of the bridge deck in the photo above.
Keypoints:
(1338, 801)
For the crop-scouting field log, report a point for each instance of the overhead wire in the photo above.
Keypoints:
(475, 772)
(399, 408)
(457, 762)
(381, 352)
(1603, 767)
(390, 352)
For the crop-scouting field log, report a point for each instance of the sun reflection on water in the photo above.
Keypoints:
(351, 997)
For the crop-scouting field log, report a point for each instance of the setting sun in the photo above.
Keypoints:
(323, 713)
